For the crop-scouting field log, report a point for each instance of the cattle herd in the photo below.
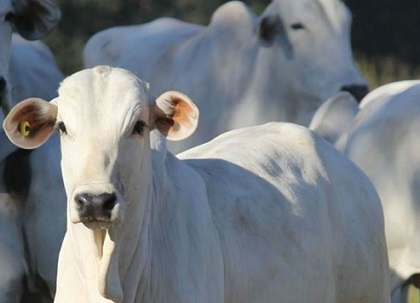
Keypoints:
(283, 178)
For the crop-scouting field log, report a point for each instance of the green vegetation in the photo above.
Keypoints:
(382, 70)
(386, 39)
(413, 295)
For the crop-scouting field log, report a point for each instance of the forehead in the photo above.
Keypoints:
(102, 94)
(310, 9)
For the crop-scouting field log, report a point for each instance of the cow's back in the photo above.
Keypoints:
(304, 208)
(146, 42)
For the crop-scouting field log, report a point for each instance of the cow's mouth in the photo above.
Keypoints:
(357, 91)
(97, 224)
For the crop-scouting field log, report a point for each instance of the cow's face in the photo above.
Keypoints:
(310, 40)
(32, 19)
(104, 117)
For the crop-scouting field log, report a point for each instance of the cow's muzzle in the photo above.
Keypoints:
(95, 208)
(357, 90)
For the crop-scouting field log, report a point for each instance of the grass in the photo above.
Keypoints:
(413, 295)
(382, 70)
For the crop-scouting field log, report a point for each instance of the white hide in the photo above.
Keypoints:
(382, 139)
(33, 19)
(33, 71)
(333, 118)
(238, 77)
(46, 202)
(12, 254)
(262, 214)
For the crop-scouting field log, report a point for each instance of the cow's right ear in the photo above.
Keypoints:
(30, 123)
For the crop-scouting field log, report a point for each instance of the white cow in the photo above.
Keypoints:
(12, 252)
(241, 69)
(19, 283)
(33, 71)
(381, 136)
(32, 19)
(24, 177)
(262, 214)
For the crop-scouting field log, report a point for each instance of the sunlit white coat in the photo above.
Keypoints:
(262, 214)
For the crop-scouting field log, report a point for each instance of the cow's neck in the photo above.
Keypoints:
(114, 258)
(118, 261)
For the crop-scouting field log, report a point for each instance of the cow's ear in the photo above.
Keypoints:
(174, 115)
(334, 116)
(271, 28)
(33, 19)
(268, 26)
(30, 123)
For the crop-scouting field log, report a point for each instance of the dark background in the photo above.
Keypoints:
(385, 33)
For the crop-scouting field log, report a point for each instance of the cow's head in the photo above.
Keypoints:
(104, 116)
(32, 19)
(310, 40)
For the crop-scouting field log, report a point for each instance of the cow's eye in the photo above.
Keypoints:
(139, 127)
(62, 128)
(297, 26)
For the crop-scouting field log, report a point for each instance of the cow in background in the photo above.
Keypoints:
(381, 135)
(33, 71)
(241, 69)
(32, 19)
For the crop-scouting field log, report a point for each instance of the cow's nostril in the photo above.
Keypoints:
(93, 207)
(83, 199)
(108, 201)
(358, 91)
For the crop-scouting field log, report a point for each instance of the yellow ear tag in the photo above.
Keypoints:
(25, 128)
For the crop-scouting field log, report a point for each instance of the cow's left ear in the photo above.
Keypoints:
(33, 19)
(174, 115)
(30, 123)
